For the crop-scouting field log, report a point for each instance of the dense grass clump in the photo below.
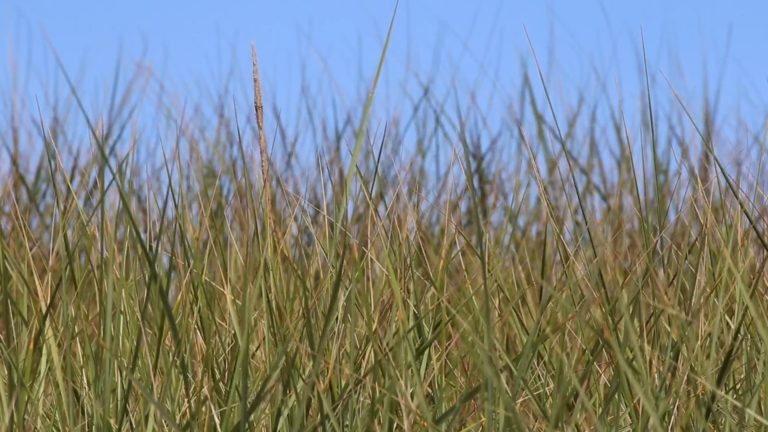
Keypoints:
(549, 269)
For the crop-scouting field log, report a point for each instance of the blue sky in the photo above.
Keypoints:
(338, 42)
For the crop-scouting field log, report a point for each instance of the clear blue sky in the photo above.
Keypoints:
(471, 41)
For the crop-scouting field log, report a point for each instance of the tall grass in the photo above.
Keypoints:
(437, 270)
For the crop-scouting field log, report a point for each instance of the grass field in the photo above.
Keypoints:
(433, 270)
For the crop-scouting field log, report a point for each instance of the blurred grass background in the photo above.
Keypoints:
(558, 264)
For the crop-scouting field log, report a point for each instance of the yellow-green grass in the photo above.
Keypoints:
(440, 270)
